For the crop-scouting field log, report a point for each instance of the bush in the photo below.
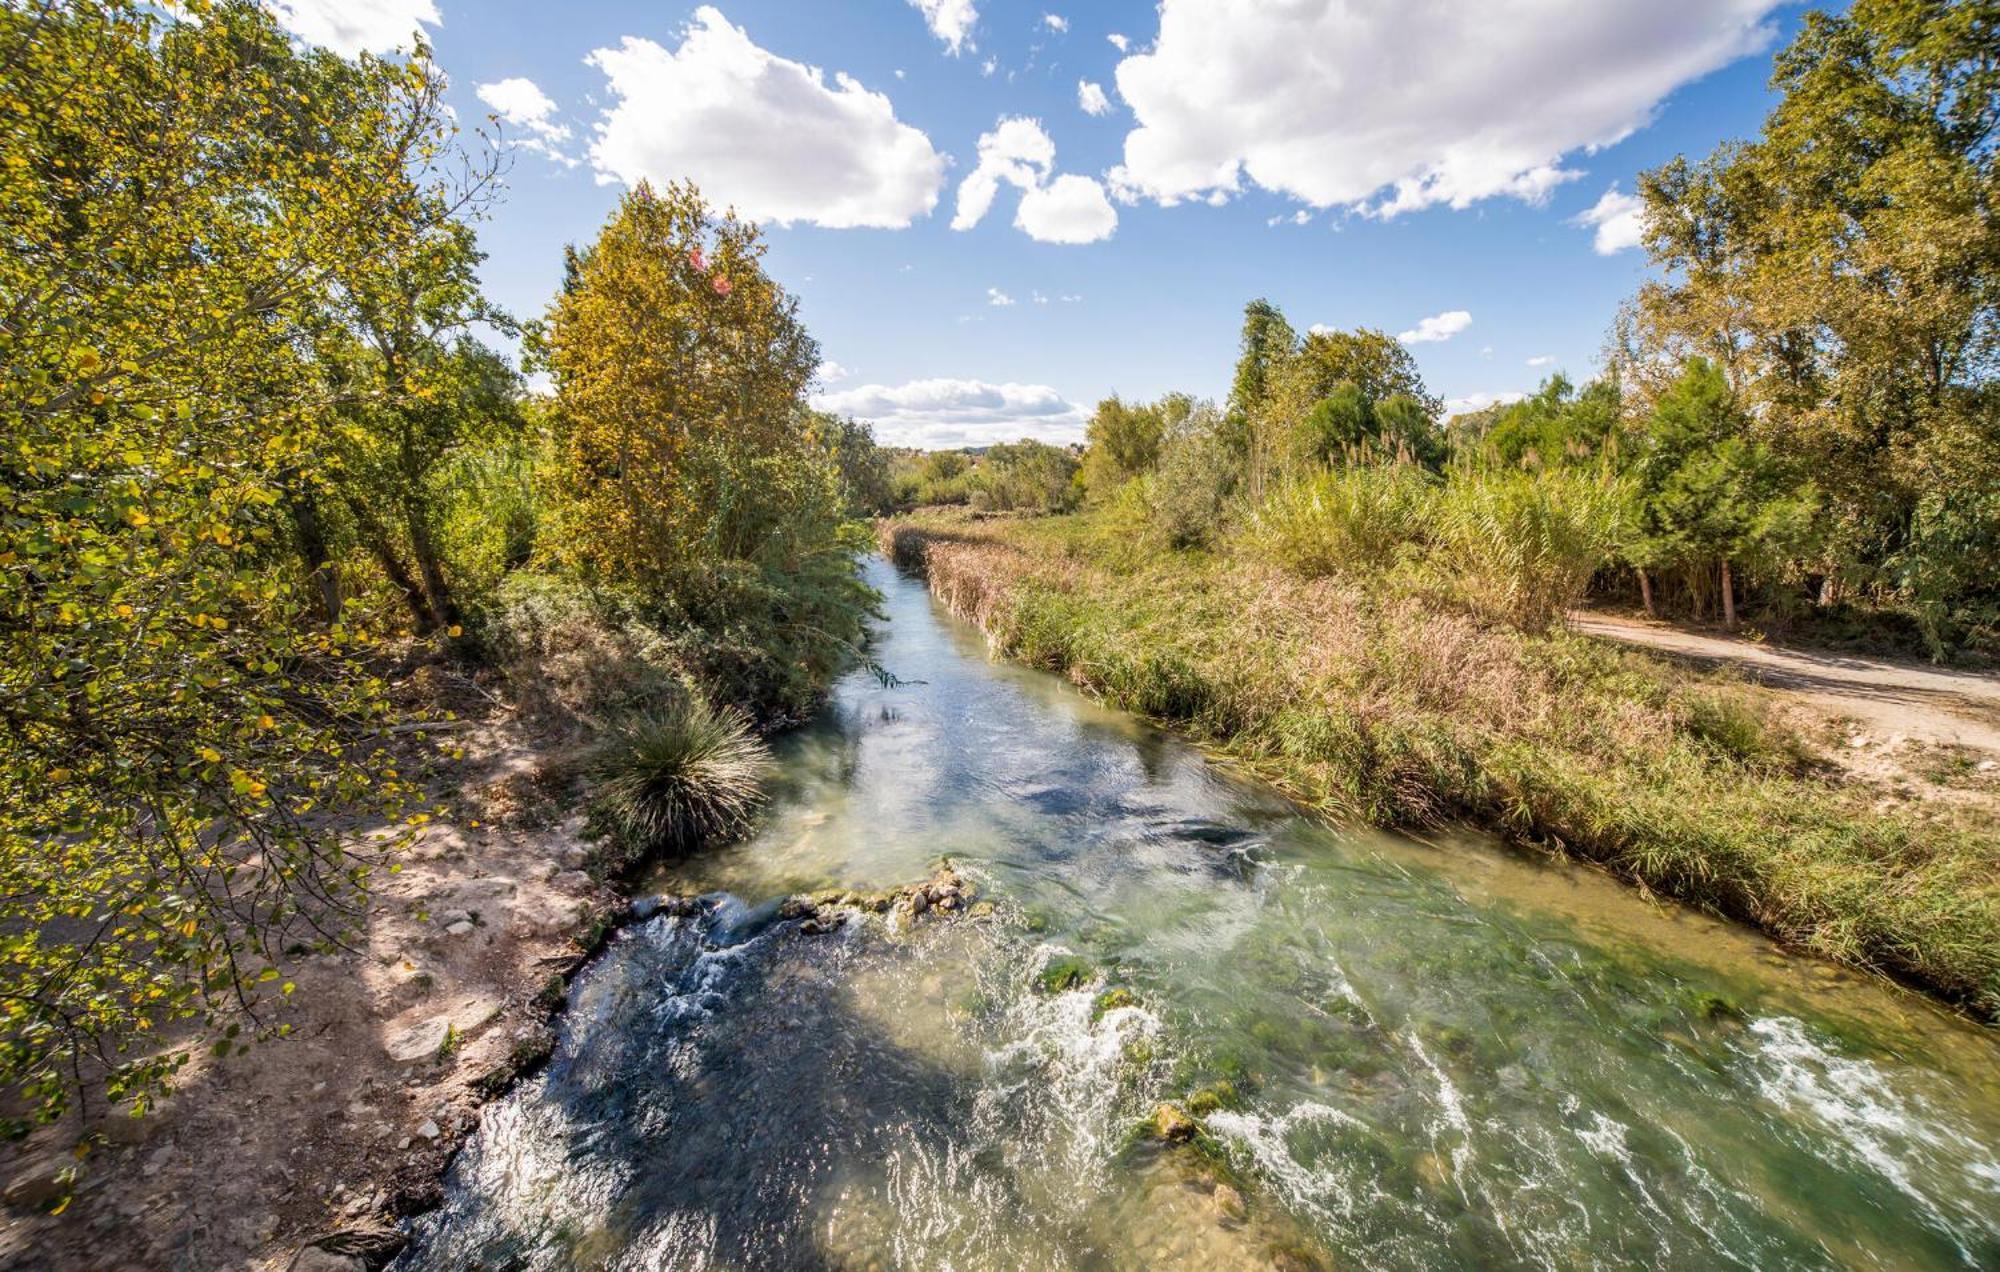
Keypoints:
(674, 779)
(1523, 546)
(1190, 491)
(1345, 519)
(576, 654)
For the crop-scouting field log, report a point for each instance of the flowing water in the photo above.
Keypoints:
(1414, 1054)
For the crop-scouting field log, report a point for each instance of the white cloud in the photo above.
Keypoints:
(989, 66)
(1091, 97)
(1118, 41)
(1055, 22)
(349, 27)
(761, 133)
(1620, 220)
(994, 296)
(1039, 299)
(1395, 108)
(1541, 360)
(1071, 299)
(1070, 209)
(950, 21)
(945, 413)
(1478, 402)
(1054, 209)
(521, 102)
(1437, 328)
(831, 372)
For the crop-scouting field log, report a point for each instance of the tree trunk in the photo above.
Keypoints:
(1728, 597)
(377, 537)
(310, 532)
(1645, 590)
(436, 591)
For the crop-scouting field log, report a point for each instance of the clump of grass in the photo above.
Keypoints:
(1522, 547)
(674, 779)
(1344, 519)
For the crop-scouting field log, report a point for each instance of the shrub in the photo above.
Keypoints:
(674, 779)
(1190, 491)
(1345, 519)
(1522, 547)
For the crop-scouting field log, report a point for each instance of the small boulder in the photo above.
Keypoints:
(1229, 1204)
(1172, 1124)
(420, 1041)
(429, 1129)
(572, 881)
(461, 928)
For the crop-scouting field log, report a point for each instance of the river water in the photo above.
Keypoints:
(1416, 1054)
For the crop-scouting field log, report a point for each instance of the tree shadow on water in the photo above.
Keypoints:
(704, 1104)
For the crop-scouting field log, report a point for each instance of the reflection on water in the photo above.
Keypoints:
(1408, 1054)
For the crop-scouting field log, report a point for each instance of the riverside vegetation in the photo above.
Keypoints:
(259, 463)
(1366, 605)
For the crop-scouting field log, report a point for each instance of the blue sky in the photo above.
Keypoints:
(1442, 156)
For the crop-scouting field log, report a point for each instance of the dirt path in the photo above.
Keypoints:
(395, 1045)
(1890, 699)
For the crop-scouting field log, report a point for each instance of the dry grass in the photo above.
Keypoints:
(1370, 701)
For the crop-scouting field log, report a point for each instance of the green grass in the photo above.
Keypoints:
(675, 779)
(1371, 700)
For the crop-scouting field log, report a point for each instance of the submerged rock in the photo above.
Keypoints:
(1066, 971)
(825, 911)
(1229, 1204)
(1172, 1124)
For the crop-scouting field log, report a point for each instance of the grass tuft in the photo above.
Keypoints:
(673, 780)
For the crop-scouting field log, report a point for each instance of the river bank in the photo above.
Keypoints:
(394, 1044)
(1394, 710)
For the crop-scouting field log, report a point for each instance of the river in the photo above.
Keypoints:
(1413, 1054)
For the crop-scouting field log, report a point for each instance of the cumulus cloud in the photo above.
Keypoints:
(521, 102)
(950, 21)
(1055, 22)
(944, 413)
(994, 296)
(1478, 402)
(831, 372)
(1054, 209)
(1619, 219)
(1091, 97)
(764, 134)
(1069, 209)
(349, 27)
(1323, 100)
(1118, 41)
(1541, 360)
(1437, 328)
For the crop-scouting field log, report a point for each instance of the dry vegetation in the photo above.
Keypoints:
(1374, 701)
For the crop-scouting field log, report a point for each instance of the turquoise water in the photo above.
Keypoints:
(1417, 1054)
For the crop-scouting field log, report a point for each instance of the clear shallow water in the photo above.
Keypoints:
(1441, 1053)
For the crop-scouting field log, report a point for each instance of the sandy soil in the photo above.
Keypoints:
(1908, 726)
(350, 1120)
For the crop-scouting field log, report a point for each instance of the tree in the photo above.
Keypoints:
(1025, 475)
(1123, 441)
(864, 470)
(689, 469)
(1840, 269)
(679, 365)
(418, 388)
(1267, 340)
(1557, 425)
(178, 198)
(1711, 499)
